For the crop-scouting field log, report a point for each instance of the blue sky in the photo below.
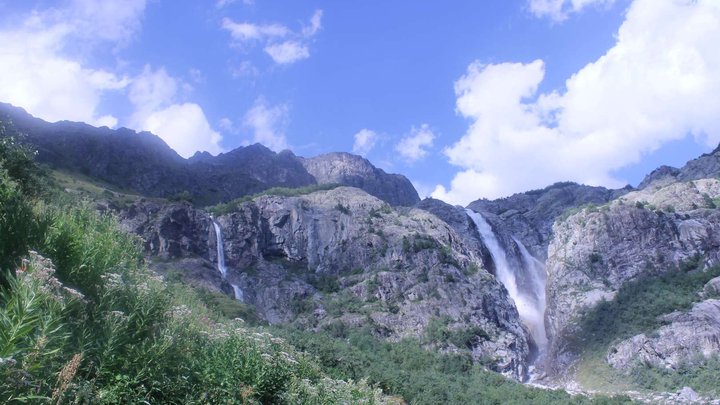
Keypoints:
(468, 99)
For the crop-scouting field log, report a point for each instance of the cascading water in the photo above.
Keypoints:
(530, 304)
(237, 291)
(536, 270)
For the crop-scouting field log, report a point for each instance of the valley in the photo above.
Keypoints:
(567, 294)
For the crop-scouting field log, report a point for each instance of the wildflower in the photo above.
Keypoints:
(65, 377)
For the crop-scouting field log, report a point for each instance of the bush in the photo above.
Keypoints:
(420, 376)
(123, 335)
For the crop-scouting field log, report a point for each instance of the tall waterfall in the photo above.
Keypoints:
(237, 291)
(530, 304)
(536, 270)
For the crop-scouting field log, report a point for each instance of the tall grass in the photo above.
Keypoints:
(82, 321)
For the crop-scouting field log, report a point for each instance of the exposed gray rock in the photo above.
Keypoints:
(661, 176)
(596, 251)
(529, 216)
(687, 338)
(457, 218)
(356, 171)
(705, 166)
(712, 288)
(343, 256)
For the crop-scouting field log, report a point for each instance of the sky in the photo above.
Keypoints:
(468, 99)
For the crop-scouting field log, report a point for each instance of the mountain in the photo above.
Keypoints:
(144, 164)
(342, 259)
(571, 286)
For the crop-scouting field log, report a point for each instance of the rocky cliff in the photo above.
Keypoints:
(529, 216)
(355, 171)
(344, 259)
(596, 251)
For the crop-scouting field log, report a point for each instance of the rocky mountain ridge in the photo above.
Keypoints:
(144, 164)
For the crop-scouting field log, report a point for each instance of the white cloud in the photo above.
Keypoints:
(226, 125)
(287, 52)
(315, 24)
(414, 146)
(365, 141)
(268, 125)
(659, 82)
(36, 74)
(183, 126)
(109, 20)
(283, 45)
(559, 10)
(245, 32)
(224, 3)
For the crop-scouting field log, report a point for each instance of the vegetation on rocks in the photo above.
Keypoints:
(637, 308)
(83, 321)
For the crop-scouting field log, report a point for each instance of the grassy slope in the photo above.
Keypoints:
(634, 310)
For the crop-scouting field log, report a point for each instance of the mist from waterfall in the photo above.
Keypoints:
(536, 270)
(237, 291)
(530, 304)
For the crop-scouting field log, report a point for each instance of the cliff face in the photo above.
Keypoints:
(342, 258)
(144, 164)
(355, 171)
(529, 216)
(644, 233)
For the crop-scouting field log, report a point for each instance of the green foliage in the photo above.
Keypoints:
(438, 332)
(327, 283)
(227, 307)
(417, 242)
(85, 246)
(182, 196)
(234, 205)
(343, 209)
(638, 304)
(420, 376)
(124, 335)
(702, 375)
(635, 309)
(17, 228)
(17, 159)
(471, 269)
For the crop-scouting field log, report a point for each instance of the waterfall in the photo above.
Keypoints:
(536, 270)
(237, 291)
(530, 305)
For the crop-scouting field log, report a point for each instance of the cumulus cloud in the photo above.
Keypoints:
(659, 82)
(365, 141)
(415, 146)
(559, 10)
(36, 74)
(183, 126)
(268, 124)
(283, 45)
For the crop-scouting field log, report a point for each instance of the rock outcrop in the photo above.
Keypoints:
(529, 216)
(687, 338)
(344, 259)
(356, 171)
(646, 232)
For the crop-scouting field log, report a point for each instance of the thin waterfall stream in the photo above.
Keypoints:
(530, 304)
(237, 291)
